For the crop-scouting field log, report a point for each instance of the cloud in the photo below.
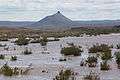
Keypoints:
(74, 9)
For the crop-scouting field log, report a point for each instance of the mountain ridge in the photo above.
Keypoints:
(58, 20)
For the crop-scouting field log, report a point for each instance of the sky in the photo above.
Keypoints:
(34, 10)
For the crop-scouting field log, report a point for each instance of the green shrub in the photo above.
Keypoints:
(44, 41)
(2, 56)
(112, 46)
(82, 63)
(16, 71)
(104, 66)
(22, 41)
(106, 55)
(64, 75)
(27, 52)
(118, 46)
(62, 59)
(103, 49)
(99, 48)
(117, 55)
(13, 58)
(92, 61)
(71, 51)
(6, 70)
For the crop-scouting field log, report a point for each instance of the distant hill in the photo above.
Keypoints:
(15, 24)
(96, 23)
(55, 20)
(58, 20)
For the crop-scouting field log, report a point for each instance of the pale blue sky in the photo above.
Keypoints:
(30, 10)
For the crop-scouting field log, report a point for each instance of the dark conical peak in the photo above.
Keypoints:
(58, 12)
(55, 20)
(59, 16)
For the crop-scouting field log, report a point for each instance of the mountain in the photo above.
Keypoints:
(55, 20)
(59, 21)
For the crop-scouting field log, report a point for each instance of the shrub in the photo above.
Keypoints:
(62, 59)
(22, 41)
(104, 66)
(92, 61)
(13, 58)
(15, 71)
(71, 51)
(118, 46)
(6, 70)
(44, 41)
(82, 63)
(106, 55)
(112, 46)
(27, 52)
(99, 48)
(117, 54)
(2, 56)
(104, 49)
(64, 75)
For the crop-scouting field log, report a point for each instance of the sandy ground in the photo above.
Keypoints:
(47, 66)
